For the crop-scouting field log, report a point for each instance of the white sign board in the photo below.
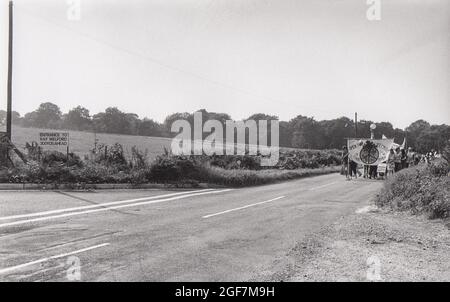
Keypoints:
(54, 140)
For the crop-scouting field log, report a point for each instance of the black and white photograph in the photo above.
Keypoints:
(225, 148)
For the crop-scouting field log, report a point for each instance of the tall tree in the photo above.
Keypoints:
(115, 121)
(414, 130)
(149, 127)
(48, 115)
(78, 119)
(16, 119)
(170, 119)
(336, 131)
(306, 133)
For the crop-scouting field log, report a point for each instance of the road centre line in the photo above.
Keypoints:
(323, 186)
(98, 205)
(109, 208)
(12, 268)
(244, 207)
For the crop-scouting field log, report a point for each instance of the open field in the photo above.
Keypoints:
(82, 142)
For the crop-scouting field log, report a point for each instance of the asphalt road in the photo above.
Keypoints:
(167, 235)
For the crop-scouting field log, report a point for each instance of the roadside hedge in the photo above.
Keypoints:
(420, 189)
(107, 164)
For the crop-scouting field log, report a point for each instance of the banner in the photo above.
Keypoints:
(369, 151)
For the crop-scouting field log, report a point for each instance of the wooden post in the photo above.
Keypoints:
(356, 136)
(9, 84)
(348, 161)
(68, 144)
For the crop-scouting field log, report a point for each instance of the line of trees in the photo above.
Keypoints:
(299, 132)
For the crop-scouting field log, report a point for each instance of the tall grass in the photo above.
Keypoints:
(421, 189)
(241, 177)
(109, 164)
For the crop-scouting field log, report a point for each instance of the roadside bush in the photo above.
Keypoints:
(438, 168)
(300, 159)
(95, 173)
(139, 159)
(61, 174)
(33, 172)
(421, 189)
(181, 168)
(446, 153)
(98, 173)
(108, 164)
(242, 177)
(233, 161)
(140, 176)
(173, 168)
(55, 158)
(109, 155)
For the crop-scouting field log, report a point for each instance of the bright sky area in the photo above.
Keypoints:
(284, 57)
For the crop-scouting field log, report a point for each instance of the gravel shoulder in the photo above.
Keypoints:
(374, 245)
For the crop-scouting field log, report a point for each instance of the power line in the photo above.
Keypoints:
(172, 68)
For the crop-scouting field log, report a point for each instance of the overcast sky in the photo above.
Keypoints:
(282, 57)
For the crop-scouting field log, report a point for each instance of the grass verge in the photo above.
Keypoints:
(241, 178)
(423, 189)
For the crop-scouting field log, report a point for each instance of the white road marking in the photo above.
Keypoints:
(366, 209)
(108, 208)
(97, 205)
(244, 207)
(323, 186)
(12, 268)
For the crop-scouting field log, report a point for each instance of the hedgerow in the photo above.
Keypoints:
(108, 164)
(420, 189)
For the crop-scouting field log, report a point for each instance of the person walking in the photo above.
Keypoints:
(397, 160)
(345, 161)
(373, 172)
(404, 159)
(353, 169)
(390, 163)
(411, 157)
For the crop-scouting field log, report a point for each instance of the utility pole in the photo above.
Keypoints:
(7, 144)
(356, 124)
(9, 85)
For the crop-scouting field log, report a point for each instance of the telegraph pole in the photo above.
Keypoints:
(9, 85)
(9, 144)
(356, 124)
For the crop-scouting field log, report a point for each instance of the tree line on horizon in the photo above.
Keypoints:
(300, 132)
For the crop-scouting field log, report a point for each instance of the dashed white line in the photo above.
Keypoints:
(323, 186)
(244, 207)
(108, 208)
(13, 268)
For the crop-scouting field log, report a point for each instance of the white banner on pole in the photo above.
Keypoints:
(369, 151)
